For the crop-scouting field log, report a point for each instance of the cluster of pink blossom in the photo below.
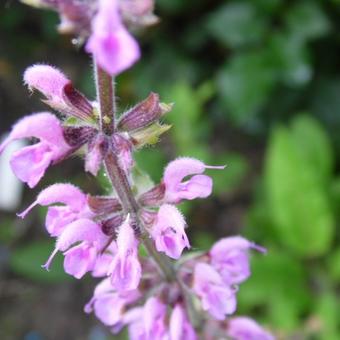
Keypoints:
(154, 296)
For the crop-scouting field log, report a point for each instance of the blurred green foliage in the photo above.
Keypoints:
(256, 86)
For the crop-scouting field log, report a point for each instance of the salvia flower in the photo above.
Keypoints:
(126, 269)
(80, 258)
(179, 325)
(30, 163)
(148, 322)
(244, 328)
(168, 231)
(58, 91)
(108, 305)
(178, 189)
(216, 297)
(58, 217)
(110, 42)
(230, 258)
(48, 80)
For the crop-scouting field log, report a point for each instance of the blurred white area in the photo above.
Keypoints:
(10, 187)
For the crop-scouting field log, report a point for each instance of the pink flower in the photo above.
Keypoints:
(168, 231)
(197, 186)
(109, 305)
(95, 155)
(230, 257)
(30, 163)
(49, 81)
(180, 327)
(148, 323)
(125, 269)
(244, 328)
(111, 44)
(217, 298)
(58, 217)
(81, 258)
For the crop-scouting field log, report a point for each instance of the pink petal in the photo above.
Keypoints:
(217, 298)
(244, 328)
(65, 193)
(197, 186)
(111, 44)
(30, 163)
(194, 187)
(80, 230)
(180, 168)
(180, 327)
(79, 260)
(44, 126)
(168, 231)
(47, 79)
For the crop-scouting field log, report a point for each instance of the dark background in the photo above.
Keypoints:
(256, 86)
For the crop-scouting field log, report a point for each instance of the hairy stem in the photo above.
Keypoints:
(117, 176)
(130, 206)
(105, 96)
(120, 183)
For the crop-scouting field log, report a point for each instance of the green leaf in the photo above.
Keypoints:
(315, 146)
(278, 283)
(327, 310)
(292, 59)
(333, 264)
(299, 204)
(307, 20)
(237, 24)
(246, 83)
(27, 261)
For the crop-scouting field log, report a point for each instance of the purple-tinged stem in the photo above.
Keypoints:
(105, 96)
(119, 181)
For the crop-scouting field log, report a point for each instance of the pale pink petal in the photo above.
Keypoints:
(44, 126)
(230, 257)
(47, 79)
(30, 163)
(168, 231)
(177, 188)
(109, 309)
(79, 260)
(216, 297)
(154, 318)
(64, 193)
(126, 270)
(244, 328)
(112, 45)
(80, 230)
(179, 326)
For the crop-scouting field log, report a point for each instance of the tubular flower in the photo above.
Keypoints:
(244, 328)
(198, 186)
(168, 231)
(217, 298)
(126, 269)
(111, 44)
(230, 258)
(58, 217)
(30, 163)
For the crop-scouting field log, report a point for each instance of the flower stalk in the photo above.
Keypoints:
(106, 100)
(118, 177)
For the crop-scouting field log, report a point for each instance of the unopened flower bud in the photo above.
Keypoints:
(103, 205)
(109, 227)
(143, 114)
(78, 104)
(153, 197)
(77, 136)
(97, 149)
